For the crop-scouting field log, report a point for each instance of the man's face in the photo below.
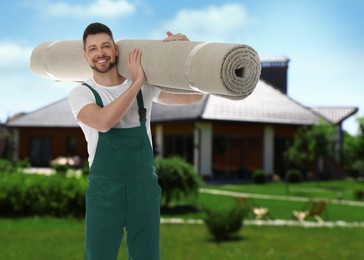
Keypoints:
(101, 52)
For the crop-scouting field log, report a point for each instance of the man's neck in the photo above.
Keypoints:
(111, 78)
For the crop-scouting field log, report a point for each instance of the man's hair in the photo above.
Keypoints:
(95, 28)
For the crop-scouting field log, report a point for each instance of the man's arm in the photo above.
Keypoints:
(178, 99)
(103, 119)
(175, 99)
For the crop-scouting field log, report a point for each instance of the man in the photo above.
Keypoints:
(114, 114)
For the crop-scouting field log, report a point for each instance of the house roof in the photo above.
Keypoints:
(335, 114)
(57, 114)
(265, 105)
(274, 61)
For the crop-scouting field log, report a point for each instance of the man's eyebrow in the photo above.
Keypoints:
(102, 44)
(91, 46)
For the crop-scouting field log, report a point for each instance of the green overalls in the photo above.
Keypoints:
(123, 192)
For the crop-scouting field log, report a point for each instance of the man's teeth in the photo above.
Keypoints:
(101, 61)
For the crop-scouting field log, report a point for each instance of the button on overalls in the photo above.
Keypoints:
(123, 192)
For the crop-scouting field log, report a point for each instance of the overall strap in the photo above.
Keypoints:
(142, 111)
(97, 96)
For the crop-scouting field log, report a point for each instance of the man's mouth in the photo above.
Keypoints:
(101, 61)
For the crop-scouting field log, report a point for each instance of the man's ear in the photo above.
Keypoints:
(116, 49)
(84, 54)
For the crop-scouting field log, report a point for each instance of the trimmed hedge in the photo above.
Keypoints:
(294, 176)
(259, 176)
(177, 178)
(224, 224)
(28, 195)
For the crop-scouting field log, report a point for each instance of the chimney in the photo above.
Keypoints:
(275, 71)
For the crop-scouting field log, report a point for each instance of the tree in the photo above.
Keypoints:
(311, 144)
(177, 179)
(354, 151)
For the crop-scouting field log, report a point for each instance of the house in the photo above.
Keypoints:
(223, 138)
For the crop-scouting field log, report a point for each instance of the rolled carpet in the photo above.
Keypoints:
(227, 70)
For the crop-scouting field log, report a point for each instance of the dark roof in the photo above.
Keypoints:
(163, 113)
(57, 114)
(274, 61)
(265, 105)
(335, 114)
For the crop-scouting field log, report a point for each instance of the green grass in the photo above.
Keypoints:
(56, 239)
(323, 189)
(282, 209)
(51, 238)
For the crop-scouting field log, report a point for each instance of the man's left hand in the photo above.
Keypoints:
(175, 37)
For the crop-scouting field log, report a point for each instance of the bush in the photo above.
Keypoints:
(29, 195)
(6, 166)
(86, 169)
(294, 176)
(224, 224)
(177, 178)
(358, 192)
(259, 176)
(61, 168)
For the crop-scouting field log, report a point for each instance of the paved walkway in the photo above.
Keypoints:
(275, 197)
(275, 222)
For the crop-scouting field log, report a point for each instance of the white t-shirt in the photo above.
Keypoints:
(82, 95)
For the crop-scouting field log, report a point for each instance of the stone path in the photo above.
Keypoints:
(275, 222)
(276, 197)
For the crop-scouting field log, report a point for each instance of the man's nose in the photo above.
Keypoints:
(101, 52)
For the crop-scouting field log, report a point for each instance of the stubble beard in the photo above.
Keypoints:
(105, 70)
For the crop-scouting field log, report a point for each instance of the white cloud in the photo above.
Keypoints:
(98, 8)
(214, 23)
(14, 58)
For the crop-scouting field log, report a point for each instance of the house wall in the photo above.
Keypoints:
(236, 149)
(53, 142)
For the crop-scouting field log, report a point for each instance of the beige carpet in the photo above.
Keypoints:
(227, 70)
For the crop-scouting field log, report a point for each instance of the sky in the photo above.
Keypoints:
(323, 39)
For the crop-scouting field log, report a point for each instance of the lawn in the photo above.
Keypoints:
(56, 239)
(282, 208)
(52, 238)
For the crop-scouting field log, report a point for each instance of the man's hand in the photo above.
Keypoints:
(135, 66)
(175, 37)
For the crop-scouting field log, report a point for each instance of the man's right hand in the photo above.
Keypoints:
(135, 66)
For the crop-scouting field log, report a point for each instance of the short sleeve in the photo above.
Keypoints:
(79, 97)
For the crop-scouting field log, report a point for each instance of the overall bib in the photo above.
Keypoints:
(123, 192)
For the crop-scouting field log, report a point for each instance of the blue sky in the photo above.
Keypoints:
(323, 39)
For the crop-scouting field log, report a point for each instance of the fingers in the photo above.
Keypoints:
(175, 37)
(134, 56)
(135, 66)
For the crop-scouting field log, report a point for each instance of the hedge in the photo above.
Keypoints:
(28, 195)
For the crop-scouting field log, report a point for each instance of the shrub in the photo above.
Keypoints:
(177, 178)
(259, 176)
(294, 176)
(358, 192)
(61, 168)
(86, 169)
(29, 195)
(224, 224)
(6, 166)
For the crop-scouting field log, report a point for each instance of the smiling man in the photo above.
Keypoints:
(114, 113)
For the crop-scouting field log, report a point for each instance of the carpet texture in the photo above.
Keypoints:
(228, 70)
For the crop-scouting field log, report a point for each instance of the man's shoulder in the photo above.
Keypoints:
(79, 90)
